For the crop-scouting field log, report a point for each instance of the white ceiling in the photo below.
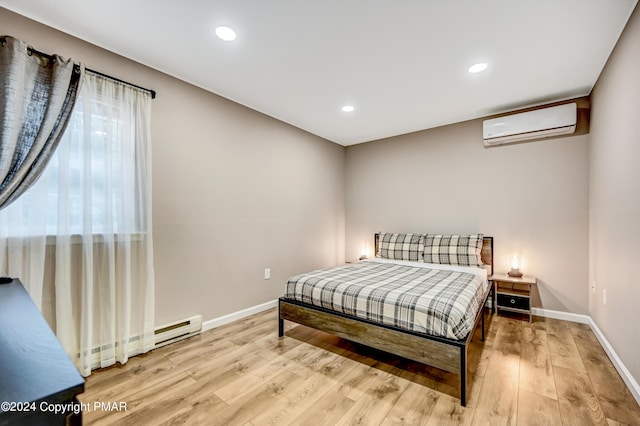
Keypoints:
(401, 63)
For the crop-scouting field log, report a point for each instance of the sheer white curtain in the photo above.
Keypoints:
(80, 239)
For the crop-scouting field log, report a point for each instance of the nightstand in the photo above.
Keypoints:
(512, 294)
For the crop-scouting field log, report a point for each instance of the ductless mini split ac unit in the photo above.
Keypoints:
(540, 123)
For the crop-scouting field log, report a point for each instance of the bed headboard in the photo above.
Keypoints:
(486, 254)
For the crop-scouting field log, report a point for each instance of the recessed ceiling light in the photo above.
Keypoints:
(481, 66)
(348, 108)
(225, 33)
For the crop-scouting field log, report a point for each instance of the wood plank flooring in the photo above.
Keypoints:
(549, 372)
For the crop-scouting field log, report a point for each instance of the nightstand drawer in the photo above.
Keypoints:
(515, 302)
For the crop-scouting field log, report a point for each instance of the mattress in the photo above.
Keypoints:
(439, 300)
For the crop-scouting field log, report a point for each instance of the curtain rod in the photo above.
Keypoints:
(101, 74)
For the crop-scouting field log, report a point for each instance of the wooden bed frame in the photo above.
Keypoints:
(446, 354)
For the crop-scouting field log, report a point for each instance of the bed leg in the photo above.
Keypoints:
(280, 327)
(482, 324)
(463, 376)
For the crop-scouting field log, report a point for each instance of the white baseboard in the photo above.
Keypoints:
(234, 316)
(565, 316)
(628, 379)
(632, 384)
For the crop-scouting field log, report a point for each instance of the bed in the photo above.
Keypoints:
(421, 298)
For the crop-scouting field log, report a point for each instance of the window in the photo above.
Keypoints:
(92, 181)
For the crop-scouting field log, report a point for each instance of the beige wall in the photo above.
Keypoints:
(531, 197)
(234, 191)
(614, 198)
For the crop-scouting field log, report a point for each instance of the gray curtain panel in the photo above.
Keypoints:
(37, 94)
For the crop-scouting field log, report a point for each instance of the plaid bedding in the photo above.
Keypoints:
(437, 302)
(453, 249)
(401, 247)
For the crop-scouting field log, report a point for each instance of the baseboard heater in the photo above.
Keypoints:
(163, 335)
(178, 330)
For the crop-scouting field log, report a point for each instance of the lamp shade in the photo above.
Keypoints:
(515, 267)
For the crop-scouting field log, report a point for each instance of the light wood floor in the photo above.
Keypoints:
(549, 372)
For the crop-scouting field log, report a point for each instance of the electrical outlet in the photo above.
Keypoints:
(593, 287)
(604, 297)
(267, 273)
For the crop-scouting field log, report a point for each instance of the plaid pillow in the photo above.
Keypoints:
(463, 250)
(400, 246)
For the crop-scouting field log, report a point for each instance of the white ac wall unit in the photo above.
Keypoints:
(540, 123)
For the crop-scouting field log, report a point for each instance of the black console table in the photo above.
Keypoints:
(37, 378)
